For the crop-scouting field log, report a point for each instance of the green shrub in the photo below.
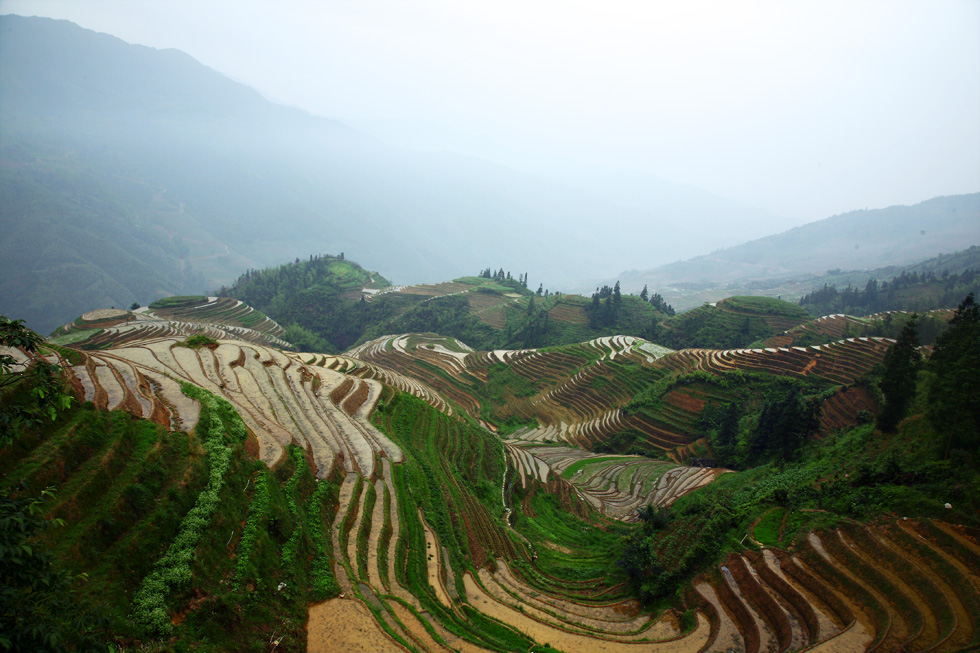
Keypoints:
(197, 341)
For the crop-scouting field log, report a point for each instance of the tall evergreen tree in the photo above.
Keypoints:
(786, 420)
(898, 381)
(954, 394)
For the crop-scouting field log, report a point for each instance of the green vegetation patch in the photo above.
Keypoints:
(180, 301)
(197, 341)
(579, 465)
(572, 544)
(763, 306)
(173, 569)
(767, 528)
(75, 336)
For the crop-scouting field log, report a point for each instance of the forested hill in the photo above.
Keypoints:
(328, 304)
(317, 300)
(941, 282)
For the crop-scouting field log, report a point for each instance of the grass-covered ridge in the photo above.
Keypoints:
(730, 323)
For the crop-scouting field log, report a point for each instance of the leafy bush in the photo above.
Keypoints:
(179, 301)
(197, 341)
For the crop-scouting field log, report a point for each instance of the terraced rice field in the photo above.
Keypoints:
(489, 308)
(836, 327)
(616, 486)
(831, 327)
(841, 410)
(566, 312)
(839, 362)
(281, 399)
(218, 318)
(441, 540)
(583, 388)
(755, 601)
(223, 311)
(436, 289)
(903, 585)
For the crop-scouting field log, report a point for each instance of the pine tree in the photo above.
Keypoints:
(954, 394)
(898, 381)
(594, 310)
(644, 294)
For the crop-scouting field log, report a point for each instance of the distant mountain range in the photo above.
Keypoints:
(843, 249)
(129, 173)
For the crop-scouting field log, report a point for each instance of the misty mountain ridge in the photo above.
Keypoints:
(130, 173)
(793, 262)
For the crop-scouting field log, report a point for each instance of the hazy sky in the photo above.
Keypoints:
(804, 108)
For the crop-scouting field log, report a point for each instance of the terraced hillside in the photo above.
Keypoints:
(904, 585)
(616, 486)
(280, 399)
(386, 491)
(214, 317)
(584, 395)
(829, 328)
(732, 322)
(382, 531)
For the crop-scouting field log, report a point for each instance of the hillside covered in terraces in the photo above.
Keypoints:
(224, 490)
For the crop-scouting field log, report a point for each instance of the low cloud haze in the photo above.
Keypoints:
(803, 109)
